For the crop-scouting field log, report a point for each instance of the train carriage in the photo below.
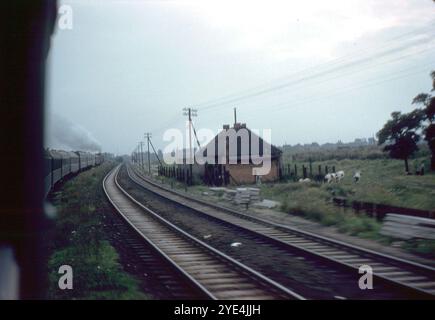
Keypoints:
(80, 155)
(99, 159)
(66, 163)
(56, 166)
(75, 162)
(89, 159)
(83, 159)
(92, 159)
(47, 172)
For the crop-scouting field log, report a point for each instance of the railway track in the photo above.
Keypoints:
(159, 279)
(215, 274)
(418, 279)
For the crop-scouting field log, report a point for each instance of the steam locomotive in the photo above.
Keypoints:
(59, 164)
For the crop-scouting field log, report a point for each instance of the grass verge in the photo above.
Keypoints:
(79, 240)
(313, 201)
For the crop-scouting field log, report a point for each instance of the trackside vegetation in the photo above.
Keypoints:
(382, 181)
(78, 239)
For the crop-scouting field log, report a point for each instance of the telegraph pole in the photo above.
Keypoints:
(141, 154)
(136, 155)
(190, 113)
(148, 136)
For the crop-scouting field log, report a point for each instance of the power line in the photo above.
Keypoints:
(259, 90)
(400, 58)
(287, 104)
(299, 81)
(165, 124)
(328, 63)
(338, 65)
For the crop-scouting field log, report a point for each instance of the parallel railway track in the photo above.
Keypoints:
(159, 279)
(418, 279)
(213, 273)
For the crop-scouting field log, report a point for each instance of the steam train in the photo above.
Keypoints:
(59, 164)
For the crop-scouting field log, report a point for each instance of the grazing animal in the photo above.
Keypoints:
(304, 180)
(357, 176)
(330, 177)
(339, 175)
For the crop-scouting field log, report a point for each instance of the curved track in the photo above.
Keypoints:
(212, 272)
(418, 279)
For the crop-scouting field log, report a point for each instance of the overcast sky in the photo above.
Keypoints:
(309, 70)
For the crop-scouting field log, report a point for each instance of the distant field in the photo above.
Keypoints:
(383, 181)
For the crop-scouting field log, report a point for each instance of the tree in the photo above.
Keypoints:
(428, 102)
(400, 135)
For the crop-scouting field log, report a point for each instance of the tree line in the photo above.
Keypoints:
(401, 134)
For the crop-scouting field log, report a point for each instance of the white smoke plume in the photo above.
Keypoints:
(63, 134)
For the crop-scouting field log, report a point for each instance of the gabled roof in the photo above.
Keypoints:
(244, 137)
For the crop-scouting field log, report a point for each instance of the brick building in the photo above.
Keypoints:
(235, 158)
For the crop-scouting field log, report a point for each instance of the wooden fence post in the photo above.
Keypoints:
(311, 168)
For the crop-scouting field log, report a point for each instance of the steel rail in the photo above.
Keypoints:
(204, 275)
(404, 273)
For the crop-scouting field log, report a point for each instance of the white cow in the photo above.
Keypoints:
(357, 176)
(304, 180)
(330, 177)
(339, 175)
